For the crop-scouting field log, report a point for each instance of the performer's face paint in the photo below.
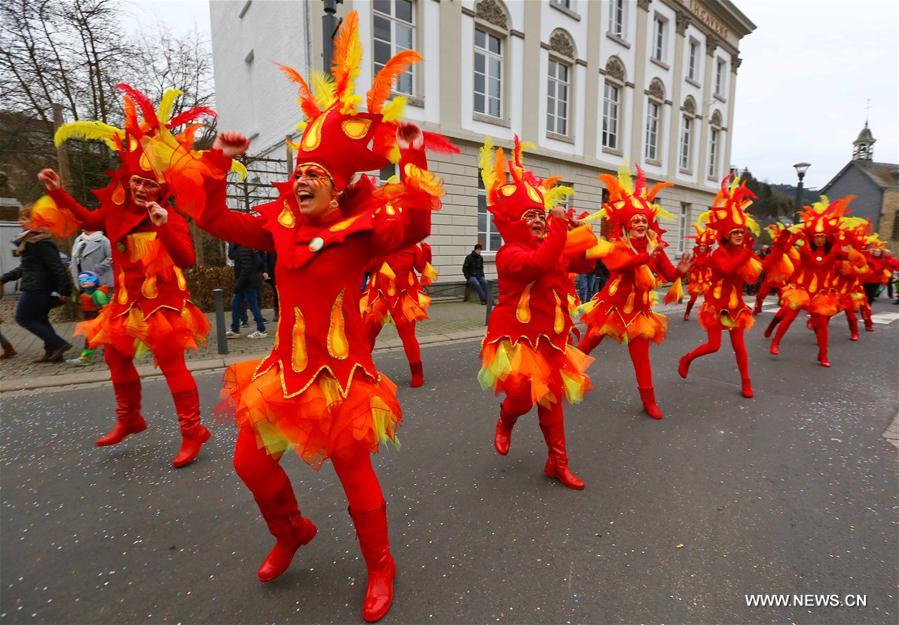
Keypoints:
(143, 190)
(315, 193)
(536, 220)
(820, 240)
(639, 226)
(736, 236)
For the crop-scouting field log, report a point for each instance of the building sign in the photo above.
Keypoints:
(707, 18)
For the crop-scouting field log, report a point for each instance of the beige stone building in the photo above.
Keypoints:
(588, 82)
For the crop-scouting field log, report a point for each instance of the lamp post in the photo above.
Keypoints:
(801, 168)
(329, 27)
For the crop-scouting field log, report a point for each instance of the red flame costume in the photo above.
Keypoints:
(812, 286)
(526, 353)
(700, 275)
(732, 267)
(396, 290)
(318, 392)
(623, 309)
(151, 310)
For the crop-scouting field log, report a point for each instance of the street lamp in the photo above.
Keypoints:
(329, 28)
(801, 168)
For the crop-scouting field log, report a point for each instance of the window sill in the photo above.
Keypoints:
(653, 162)
(686, 172)
(557, 137)
(618, 40)
(565, 10)
(690, 81)
(612, 151)
(660, 63)
(490, 119)
(720, 98)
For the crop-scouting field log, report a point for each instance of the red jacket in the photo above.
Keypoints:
(318, 272)
(147, 260)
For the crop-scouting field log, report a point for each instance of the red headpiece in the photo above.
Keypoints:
(627, 199)
(336, 136)
(824, 216)
(728, 211)
(509, 198)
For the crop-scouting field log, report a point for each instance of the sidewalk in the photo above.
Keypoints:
(448, 321)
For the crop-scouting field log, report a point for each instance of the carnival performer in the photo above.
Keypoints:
(318, 392)
(700, 274)
(151, 248)
(811, 288)
(526, 353)
(851, 271)
(395, 290)
(623, 309)
(733, 264)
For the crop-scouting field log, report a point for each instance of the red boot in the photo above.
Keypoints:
(650, 407)
(290, 529)
(747, 388)
(683, 366)
(128, 419)
(775, 348)
(557, 462)
(502, 440)
(418, 376)
(193, 433)
(688, 309)
(371, 529)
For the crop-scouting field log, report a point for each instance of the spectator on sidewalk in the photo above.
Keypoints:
(585, 285)
(44, 283)
(8, 350)
(92, 252)
(473, 270)
(269, 276)
(249, 266)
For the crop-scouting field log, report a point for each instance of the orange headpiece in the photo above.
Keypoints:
(336, 135)
(705, 235)
(628, 199)
(824, 216)
(509, 198)
(728, 211)
(130, 142)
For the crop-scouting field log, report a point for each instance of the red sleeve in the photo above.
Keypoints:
(89, 219)
(526, 264)
(421, 258)
(582, 264)
(175, 236)
(662, 265)
(216, 218)
(727, 264)
(392, 235)
(623, 259)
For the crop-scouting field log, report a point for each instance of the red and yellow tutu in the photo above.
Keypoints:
(323, 421)
(550, 372)
(710, 316)
(821, 303)
(165, 331)
(609, 321)
(411, 306)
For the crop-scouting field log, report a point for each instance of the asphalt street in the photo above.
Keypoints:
(792, 492)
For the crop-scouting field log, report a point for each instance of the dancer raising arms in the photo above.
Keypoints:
(623, 309)
(526, 353)
(319, 392)
(733, 265)
(151, 246)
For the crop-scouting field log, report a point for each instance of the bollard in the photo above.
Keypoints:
(221, 339)
(489, 301)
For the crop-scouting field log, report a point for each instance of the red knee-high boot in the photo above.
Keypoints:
(778, 316)
(128, 418)
(406, 331)
(274, 495)
(738, 341)
(690, 305)
(819, 323)
(866, 315)
(193, 433)
(371, 530)
(639, 351)
(786, 319)
(502, 440)
(552, 425)
(853, 324)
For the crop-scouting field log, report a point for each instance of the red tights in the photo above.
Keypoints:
(263, 475)
(639, 351)
(737, 341)
(404, 328)
(817, 322)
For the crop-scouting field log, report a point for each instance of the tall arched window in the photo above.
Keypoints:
(393, 30)
(714, 144)
(655, 100)
(491, 36)
(560, 78)
(687, 130)
(612, 103)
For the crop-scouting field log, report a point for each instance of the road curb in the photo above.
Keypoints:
(148, 371)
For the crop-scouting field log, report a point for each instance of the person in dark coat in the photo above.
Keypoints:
(44, 283)
(473, 270)
(249, 267)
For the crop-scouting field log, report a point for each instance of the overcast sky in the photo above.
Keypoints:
(807, 73)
